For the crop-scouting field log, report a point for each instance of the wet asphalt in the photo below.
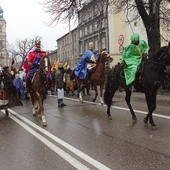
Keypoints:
(118, 144)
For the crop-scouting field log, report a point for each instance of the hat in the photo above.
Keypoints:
(60, 65)
(37, 43)
(135, 37)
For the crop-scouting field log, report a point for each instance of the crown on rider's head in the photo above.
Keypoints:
(37, 43)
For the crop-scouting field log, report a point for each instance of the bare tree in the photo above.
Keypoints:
(152, 13)
(22, 48)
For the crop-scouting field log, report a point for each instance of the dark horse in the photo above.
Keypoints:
(151, 78)
(96, 77)
(39, 88)
(8, 92)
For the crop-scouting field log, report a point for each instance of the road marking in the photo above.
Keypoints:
(60, 152)
(120, 108)
(77, 152)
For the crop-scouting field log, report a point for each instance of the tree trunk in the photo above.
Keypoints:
(151, 22)
(153, 27)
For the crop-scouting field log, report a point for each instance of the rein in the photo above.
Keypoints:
(156, 62)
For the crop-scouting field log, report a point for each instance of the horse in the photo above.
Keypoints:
(39, 88)
(96, 77)
(151, 77)
(8, 92)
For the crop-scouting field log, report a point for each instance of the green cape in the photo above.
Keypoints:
(132, 56)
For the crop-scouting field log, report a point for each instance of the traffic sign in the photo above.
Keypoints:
(121, 39)
(121, 48)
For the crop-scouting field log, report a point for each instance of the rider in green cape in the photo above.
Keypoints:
(132, 57)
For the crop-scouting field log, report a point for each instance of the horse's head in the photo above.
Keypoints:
(105, 56)
(45, 62)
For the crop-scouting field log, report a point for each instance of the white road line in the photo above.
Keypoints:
(120, 108)
(60, 152)
(77, 152)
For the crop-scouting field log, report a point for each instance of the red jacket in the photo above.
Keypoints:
(31, 58)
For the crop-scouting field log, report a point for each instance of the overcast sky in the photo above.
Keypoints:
(27, 19)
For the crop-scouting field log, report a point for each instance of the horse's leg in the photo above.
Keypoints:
(101, 93)
(41, 109)
(151, 102)
(95, 89)
(127, 98)
(80, 89)
(33, 102)
(108, 96)
(6, 111)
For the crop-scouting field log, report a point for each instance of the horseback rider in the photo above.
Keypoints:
(33, 62)
(86, 63)
(133, 55)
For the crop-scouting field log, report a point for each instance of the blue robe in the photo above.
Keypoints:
(81, 69)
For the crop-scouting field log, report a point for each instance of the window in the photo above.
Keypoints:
(81, 48)
(91, 29)
(104, 42)
(85, 31)
(95, 26)
(81, 33)
(96, 43)
(103, 23)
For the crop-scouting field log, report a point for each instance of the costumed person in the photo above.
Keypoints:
(8, 86)
(59, 82)
(33, 62)
(18, 83)
(86, 63)
(132, 57)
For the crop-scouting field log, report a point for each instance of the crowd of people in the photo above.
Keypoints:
(132, 57)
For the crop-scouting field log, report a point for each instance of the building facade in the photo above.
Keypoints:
(120, 32)
(68, 50)
(93, 25)
(4, 59)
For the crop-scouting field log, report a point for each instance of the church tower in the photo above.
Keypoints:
(4, 59)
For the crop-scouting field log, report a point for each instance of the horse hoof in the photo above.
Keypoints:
(153, 127)
(44, 123)
(7, 113)
(109, 117)
(81, 101)
(153, 124)
(145, 120)
(134, 118)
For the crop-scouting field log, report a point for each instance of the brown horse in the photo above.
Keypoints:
(97, 77)
(39, 89)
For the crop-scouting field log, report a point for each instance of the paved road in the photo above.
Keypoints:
(79, 136)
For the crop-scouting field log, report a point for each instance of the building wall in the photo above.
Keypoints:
(120, 33)
(68, 47)
(93, 26)
(4, 58)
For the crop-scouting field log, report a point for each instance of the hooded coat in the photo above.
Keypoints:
(132, 57)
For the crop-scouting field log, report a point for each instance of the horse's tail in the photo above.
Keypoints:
(112, 85)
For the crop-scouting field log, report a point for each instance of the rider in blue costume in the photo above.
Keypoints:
(87, 62)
